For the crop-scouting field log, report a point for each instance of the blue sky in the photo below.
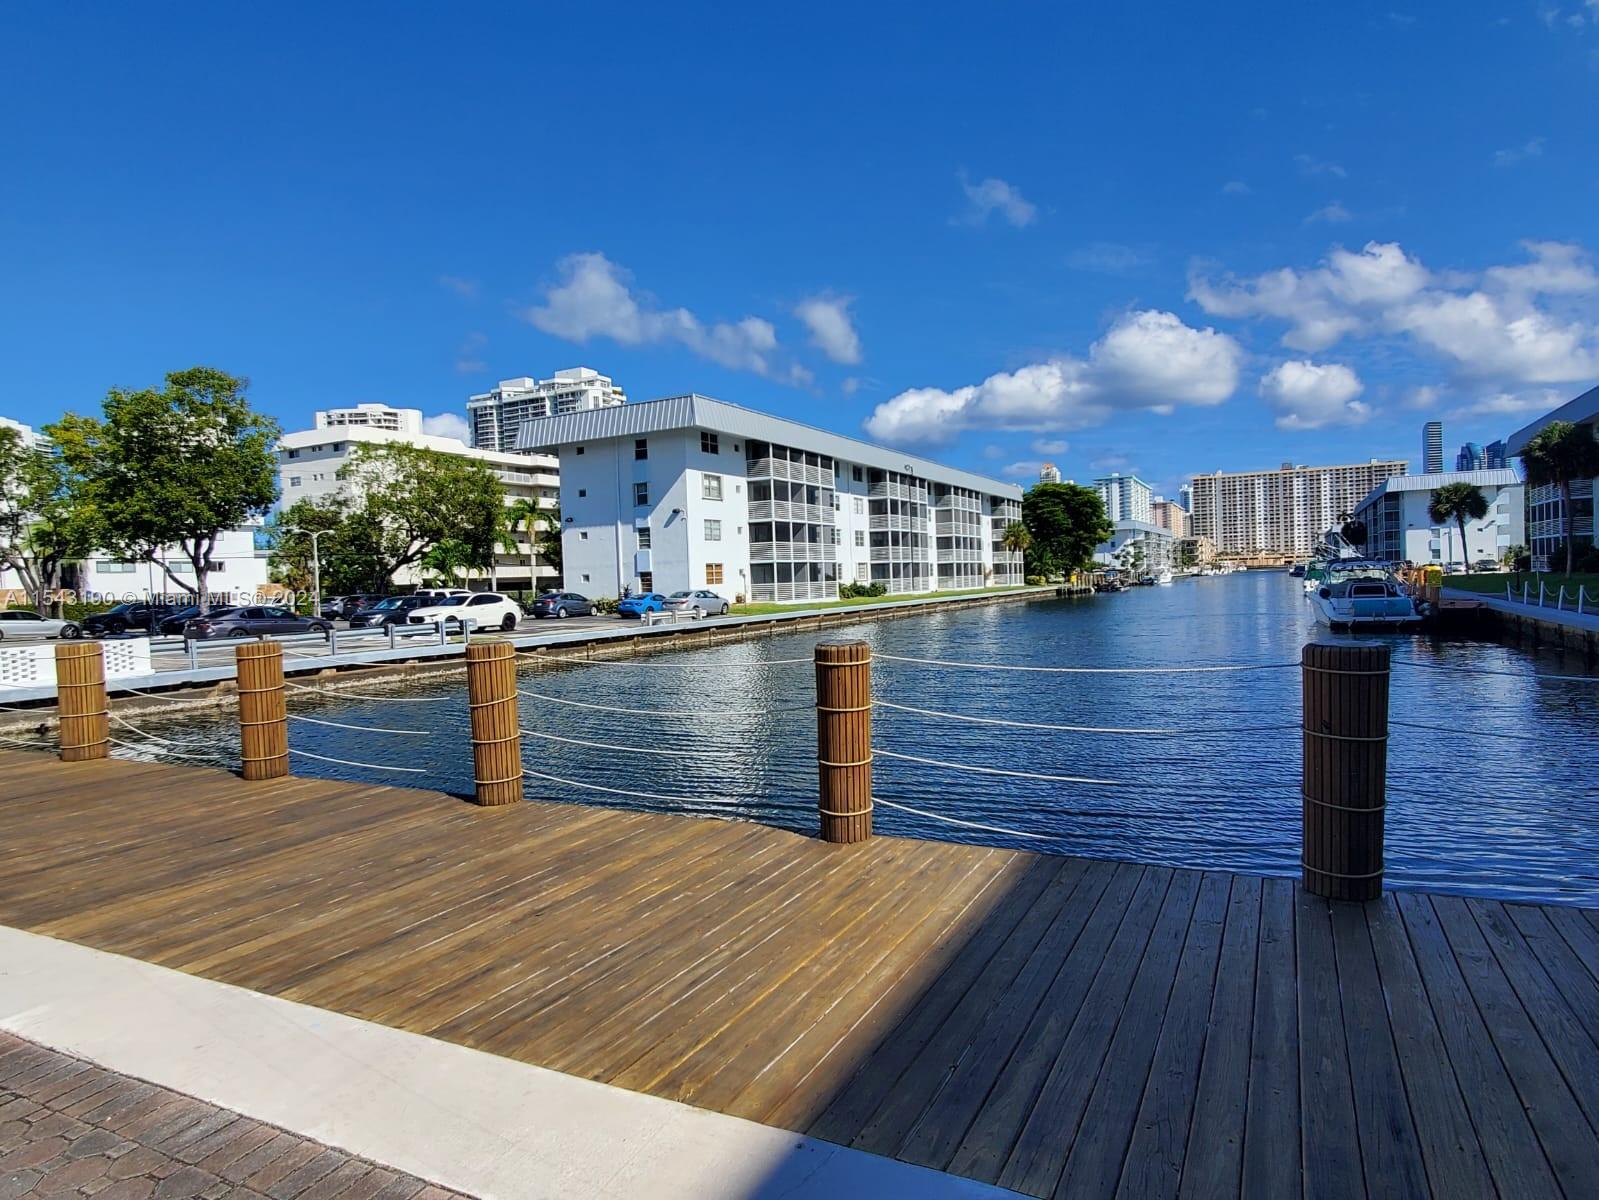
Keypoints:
(1139, 237)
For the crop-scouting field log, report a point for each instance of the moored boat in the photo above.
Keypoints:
(1363, 594)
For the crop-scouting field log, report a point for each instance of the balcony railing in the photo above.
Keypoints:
(791, 552)
(790, 510)
(897, 491)
(778, 468)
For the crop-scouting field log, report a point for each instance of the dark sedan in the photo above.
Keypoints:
(258, 621)
(388, 611)
(563, 604)
(346, 607)
(174, 624)
(126, 618)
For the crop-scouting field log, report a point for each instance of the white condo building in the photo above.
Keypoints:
(1399, 528)
(1049, 473)
(1545, 507)
(1282, 512)
(372, 416)
(310, 460)
(497, 416)
(1126, 497)
(690, 492)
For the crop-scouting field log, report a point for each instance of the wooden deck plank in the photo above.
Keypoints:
(1389, 1145)
(1064, 1026)
(1212, 1166)
(1449, 1145)
(1272, 1164)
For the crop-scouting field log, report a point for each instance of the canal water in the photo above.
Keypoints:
(1500, 798)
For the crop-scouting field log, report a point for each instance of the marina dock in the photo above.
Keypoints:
(1055, 1025)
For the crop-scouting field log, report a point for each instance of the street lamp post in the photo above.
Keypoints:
(316, 566)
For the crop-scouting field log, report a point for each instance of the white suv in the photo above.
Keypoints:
(470, 610)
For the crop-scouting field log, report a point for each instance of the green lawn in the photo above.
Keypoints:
(1494, 584)
(760, 610)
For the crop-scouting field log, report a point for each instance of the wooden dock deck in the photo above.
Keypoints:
(1060, 1026)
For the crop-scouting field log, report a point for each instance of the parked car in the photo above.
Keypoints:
(20, 622)
(254, 621)
(126, 618)
(637, 606)
(701, 603)
(345, 607)
(1484, 565)
(563, 604)
(470, 610)
(437, 595)
(173, 624)
(391, 610)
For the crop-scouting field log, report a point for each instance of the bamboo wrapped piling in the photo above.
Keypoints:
(496, 733)
(844, 739)
(263, 715)
(1345, 767)
(81, 701)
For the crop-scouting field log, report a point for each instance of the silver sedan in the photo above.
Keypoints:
(21, 622)
(703, 603)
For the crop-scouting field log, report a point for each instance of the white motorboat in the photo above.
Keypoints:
(1360, 593)
(1163, 578)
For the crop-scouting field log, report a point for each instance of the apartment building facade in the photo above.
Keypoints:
(1281, 512)
(310, 462)
(1169, 515)
(691, 492)
(1126, 497)
(1400, 529)
(372, 416)
(1545, 506)
(1432, 448)
(496, 416)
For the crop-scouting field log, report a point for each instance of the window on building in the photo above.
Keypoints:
(641, 449)
(641, 494)
(582, 492)
(643, 532)
(709, 443)
(585, 579)
(862, 570)
(713, 572)
(860, 537)
(578, 450)
(711, 487)
(855, 474)
(860, 506)
(646, 581)
(110, 567)
(583, 535)
(294, 481)
(713, 531)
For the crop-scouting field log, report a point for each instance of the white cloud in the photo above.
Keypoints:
(1423, 398)
(1311, 395)
(850, 386)
(1558, 268)
(1499, 338)
(832, 332)
(1333, 214)
(1503, 404)
(469, 358)
(1026, 469)
(467, 289)
(1532, 148)
(995, 195)
(1051, 445)
(449, 425)
(1147, 360)
(1235, 187)
(1111, 460)
(1314, 166)
(595, 299)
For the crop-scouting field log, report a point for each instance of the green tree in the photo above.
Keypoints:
(178, 466)
(45, 519)
(1065, 521)
(406, 500)
(1015, 538)
(1458, 502)
(1561, 453)
(347, 547)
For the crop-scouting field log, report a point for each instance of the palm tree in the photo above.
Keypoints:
(1559, 454)
(1016, 539)
(542, 528)
(1458, 502)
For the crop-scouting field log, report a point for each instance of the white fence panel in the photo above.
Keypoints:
(35, 666)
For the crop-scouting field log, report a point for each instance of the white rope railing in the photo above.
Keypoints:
(346, 762)
(551, 737)
(1515, 737)
(359, 728)
(932, 816)
(343, 695)
(1218, 669)
(24, 742)
(950, 766)
(154, 749)
(538, 656)
(156, 737)
(1160, 730)
(1535, 675)
(667, 712)
(595, 787)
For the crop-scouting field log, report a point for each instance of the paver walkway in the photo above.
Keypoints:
(70, 1128)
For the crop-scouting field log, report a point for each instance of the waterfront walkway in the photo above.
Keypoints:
(1053, 1025)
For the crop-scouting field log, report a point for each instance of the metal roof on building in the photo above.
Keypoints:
(718, 416)
(1584, 408)
(1497, 477)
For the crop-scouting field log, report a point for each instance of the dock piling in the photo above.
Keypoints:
(263, 715)
(81, 701)
(1344, 686)
(844, 739)
(496, 731)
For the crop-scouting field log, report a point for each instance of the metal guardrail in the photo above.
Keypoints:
(1541, 600)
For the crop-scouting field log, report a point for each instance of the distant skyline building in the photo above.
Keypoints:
(1126, 497)
(1286, 511)
(496, 416)
(1171, 516)
(1494, 457)
(1432, 447)
(1050, 473)
(1470, 458)
(371, 416)
(1185, 497)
